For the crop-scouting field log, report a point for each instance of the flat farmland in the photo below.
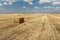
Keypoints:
(34, 27)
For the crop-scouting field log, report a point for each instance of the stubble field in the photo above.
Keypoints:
(34, 27)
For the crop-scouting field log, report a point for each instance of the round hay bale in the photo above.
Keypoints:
(19, 20)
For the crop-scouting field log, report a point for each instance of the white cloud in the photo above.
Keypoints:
(5, 3)
(24, 7)
(10, 3)
(10, 0)
(28, 0)
(56, 2)
(0, 4)
(44, 1)
(48, 1)
(36, 7)
(57, 7)
(30, 3)
(48, 7)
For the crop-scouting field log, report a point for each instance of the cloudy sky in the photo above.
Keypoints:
(29, 6)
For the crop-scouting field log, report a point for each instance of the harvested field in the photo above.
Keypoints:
(34, 27)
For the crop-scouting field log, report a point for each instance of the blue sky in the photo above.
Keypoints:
(30, 6)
